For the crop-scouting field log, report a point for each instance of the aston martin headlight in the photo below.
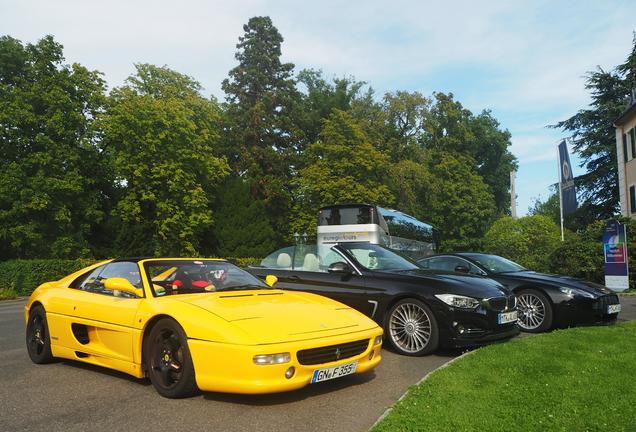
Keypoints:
(377, 340)
(571, 292)
(458, 301)
(270, 359)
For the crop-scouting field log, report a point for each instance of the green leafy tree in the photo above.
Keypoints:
(242, 227)
(162, 137)
(550, 207)
(457, 201)
(321, 97)
(530, 240)
(403, 124)
(343, 166)
(262, 105)
(452, 128)
(53, 179)
(594, 138)
(409, 182)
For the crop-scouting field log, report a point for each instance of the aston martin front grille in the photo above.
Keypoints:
(606, 300)
(332, 353)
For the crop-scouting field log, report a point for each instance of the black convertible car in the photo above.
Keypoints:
(543, 300)
(418, 309)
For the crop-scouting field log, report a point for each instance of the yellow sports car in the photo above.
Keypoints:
(191, 324)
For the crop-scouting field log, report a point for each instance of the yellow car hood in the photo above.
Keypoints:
(276, 316)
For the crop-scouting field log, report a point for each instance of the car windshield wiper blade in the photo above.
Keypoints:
(511, 271)
(243, 287)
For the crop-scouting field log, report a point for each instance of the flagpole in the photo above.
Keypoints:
(560, 191)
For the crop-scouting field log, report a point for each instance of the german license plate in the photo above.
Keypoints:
(507, 317)
(334, 372)
(612, 309)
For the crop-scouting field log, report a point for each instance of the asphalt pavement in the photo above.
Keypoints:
(70, 396)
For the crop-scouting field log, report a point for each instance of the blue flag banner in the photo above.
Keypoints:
(568, 190)
(615, 251)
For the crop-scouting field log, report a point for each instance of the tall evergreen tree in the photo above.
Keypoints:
(242, 227)
(594, 138)
(53, 178)
(261, 135)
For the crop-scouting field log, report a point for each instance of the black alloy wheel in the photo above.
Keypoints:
(38, 341)
(168, 362)
(412, 328)
(535, 311)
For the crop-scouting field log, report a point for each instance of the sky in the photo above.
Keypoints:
(525, 61)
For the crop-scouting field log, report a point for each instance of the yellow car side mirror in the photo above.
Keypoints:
(271, 280)
(121, 284)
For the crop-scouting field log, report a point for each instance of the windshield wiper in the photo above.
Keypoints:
(510, 271)
(243, 287)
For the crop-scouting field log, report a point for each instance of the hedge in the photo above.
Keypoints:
(23, 276)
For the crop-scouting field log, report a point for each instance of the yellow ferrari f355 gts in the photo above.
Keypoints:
(191, 324)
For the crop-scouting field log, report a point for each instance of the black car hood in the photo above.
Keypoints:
(557, 280)
(455, 283)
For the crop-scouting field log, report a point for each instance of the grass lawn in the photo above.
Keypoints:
(581, 379)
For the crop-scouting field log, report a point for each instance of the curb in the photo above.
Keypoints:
(17, 299)
(424, 378)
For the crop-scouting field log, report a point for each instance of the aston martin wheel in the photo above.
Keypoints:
(168, 362)
(411, 328)
(38, 341)
(535, 311)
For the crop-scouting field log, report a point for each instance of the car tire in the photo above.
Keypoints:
(38, 339)
(411, 328)
(535, 311)
(168, 361)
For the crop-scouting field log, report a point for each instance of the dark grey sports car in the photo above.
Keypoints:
(418, 309)
(544, 300)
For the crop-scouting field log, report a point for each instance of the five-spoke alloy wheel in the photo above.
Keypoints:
(168, 362)
(535, 311)
(37, 336)
(412, 328)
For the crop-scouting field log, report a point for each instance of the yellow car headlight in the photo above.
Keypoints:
(377, 340)
(270, 359)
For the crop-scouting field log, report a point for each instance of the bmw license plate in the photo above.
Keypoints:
(334, 372)
(508, 317)
(612, 309)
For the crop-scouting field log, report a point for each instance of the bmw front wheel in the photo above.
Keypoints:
(412, 328)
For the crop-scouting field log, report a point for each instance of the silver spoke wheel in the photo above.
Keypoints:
(410, 327)
(531, 311)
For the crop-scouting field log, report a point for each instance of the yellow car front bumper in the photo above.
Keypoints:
(230, 368)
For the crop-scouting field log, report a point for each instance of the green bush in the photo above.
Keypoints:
(21, 277)
(529, 240)
(244, 262)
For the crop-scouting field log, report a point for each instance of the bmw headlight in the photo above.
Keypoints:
(571, 292)
(458, 301)
(270, 359)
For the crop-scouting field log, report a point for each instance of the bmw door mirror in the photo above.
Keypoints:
(462, 269)
(340, 268)
(119, 285)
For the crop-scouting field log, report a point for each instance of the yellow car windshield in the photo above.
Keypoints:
(198, 276)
